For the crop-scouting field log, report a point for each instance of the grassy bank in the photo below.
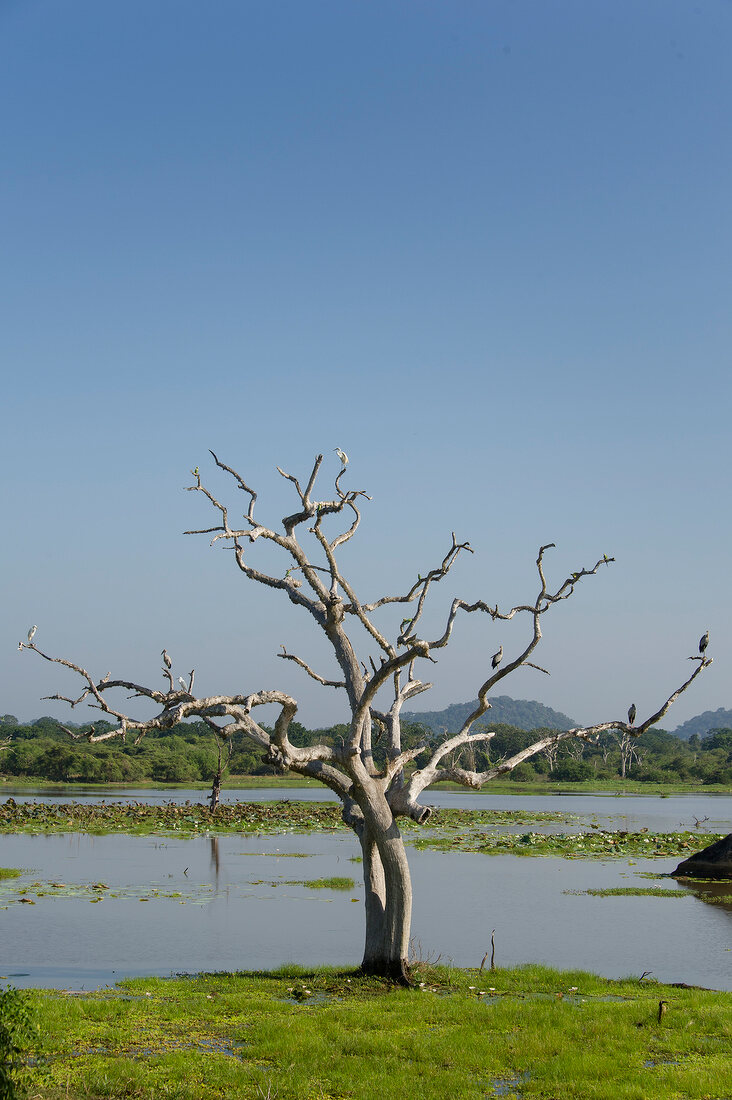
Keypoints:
(292, 781)
(327, 1034)
(232, 783)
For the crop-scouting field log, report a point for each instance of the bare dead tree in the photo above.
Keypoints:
(641, 755)
(575, 750)
(628, 749)
(550, 752)
(373, 797)
(606, 744)
(224, 745)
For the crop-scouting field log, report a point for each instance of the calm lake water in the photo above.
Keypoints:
(228, 903)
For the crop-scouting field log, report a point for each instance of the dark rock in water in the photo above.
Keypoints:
(712, 862)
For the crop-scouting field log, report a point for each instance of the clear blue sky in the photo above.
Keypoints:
(483, 247)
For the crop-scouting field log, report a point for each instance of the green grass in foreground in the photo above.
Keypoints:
(9, 872)
(299, 1034)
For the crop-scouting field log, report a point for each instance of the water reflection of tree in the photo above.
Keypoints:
(215, 857)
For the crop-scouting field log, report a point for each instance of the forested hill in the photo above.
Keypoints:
(525, 714)
(701, 724)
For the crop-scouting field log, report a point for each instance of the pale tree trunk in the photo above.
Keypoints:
(388, 887)
(388, 911)
(375, 887)
(394, 957)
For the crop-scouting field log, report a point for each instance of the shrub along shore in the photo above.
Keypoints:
(299, 1034)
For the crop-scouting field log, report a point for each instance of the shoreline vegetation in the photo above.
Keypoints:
(330, 1034)
(16, 784)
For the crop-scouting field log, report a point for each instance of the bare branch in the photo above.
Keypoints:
(94, 738)
(241, 483)
(347, 535)
(308, 508)
(179, 705)
(298, 661)
(659, 714)
(96, 690)
(421, 585)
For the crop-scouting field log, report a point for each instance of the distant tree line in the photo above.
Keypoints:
(185, 754)
(654, 757)
(43, 750)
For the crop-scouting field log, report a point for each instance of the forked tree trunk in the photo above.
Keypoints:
(388, 906)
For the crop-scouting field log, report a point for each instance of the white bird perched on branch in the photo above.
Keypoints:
(33, 629)
(342, 455)
(182, 683)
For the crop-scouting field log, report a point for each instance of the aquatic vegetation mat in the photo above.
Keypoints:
(599, 843)
(172, 818)
(284, 815)
(303, 1034)
(333, 883)
(491, 832)
(631, 892)
(29, 893)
